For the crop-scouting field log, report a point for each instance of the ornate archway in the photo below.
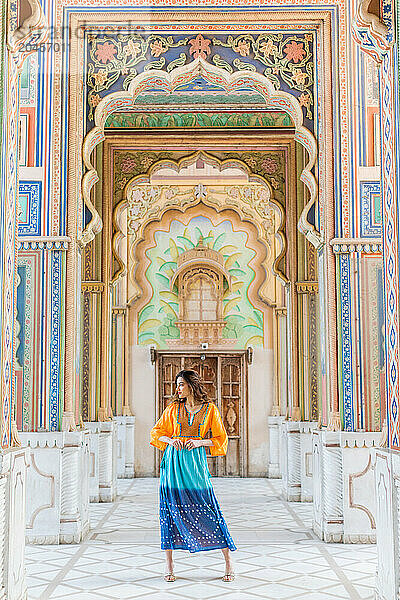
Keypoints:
(256, 204)
(230, 82)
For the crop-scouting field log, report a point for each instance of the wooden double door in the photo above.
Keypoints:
(224, 376)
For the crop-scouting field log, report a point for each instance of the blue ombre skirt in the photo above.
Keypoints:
(190, 516)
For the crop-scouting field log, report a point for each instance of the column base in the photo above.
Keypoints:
(57, 508)
(274, 467)
(125, 446)
(386, 465)
(327, 486)
(359, 499)
(13, 471)
(306, 428)
(102, 460)
(291, 482)
(343, 486)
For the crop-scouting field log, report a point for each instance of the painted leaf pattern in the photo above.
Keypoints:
(243, 321)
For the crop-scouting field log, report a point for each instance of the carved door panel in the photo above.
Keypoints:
(232, 413)
(208, 371)
(169, 368)
(225, 381)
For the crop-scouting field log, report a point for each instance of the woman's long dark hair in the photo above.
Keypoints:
(192, 378)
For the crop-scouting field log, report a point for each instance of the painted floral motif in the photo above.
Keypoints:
(94, 100)
(299, 76)
(305, 100)
(100, 77)
(294, 52)
(285, 58)
(267, 48)
(105, 52)
(113, 60)
(129, 164)
(269, 165)
(288, 59)
(200, 47)
(158, 48)
(243, 47)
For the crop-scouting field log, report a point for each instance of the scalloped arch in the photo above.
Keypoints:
(245, 212)
(230, 82)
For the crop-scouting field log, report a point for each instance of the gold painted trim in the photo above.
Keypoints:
(307, 287)
(92, 286)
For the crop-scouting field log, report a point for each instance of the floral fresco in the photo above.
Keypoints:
(286, 58)
(244, 322)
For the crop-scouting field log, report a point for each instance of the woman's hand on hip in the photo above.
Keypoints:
(176, 443)
(190, 444)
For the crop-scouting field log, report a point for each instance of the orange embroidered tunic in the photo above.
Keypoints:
(177, 422)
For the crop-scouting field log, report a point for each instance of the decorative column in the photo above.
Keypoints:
(387, 525)
(308, 351)
(103, 460)
(125, 446)
(91, 311)
(332, 488)
(119, 394)
(15, 38)
(283, 457)
(306, 459)
(275, 420)
(108, 461)
(74, 513)
(328, 486)
(316, 441)
(294, 405)
(104, 410)
(13, 467)
(291, 481)
(274, 424)
(57, 487)
(69, 518)
(378, 37)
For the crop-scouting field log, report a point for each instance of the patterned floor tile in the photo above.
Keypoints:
(278, 555)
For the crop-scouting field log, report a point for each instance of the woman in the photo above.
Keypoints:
(190, 516)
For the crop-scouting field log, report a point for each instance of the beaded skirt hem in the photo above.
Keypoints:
(190, 516)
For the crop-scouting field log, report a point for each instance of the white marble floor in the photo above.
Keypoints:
(278, 556)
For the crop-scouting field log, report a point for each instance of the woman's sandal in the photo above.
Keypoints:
(169, 577)
(228, 577)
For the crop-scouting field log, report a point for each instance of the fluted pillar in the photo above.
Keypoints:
(57, 508)
(387, 479)
(332, 489)
(103, 460)
(125, 446)
(291, 481)
(274, 470)
(107, 462)
(74, 522)
(328, 486)
(306, 471)
(13, 468)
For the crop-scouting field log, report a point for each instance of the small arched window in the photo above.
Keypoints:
(201, 301)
